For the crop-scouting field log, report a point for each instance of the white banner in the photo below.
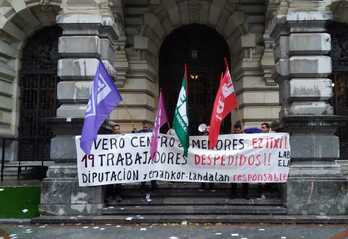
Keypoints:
(238, 158)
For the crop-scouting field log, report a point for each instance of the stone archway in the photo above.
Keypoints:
(233, 21)
(203, 50)
(220, 15)
(19, 21)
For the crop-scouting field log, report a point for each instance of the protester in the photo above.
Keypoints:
(265, 128)
(116, 189)
(275, 126)
(205, 131)
(116, 129)
(238, 129)
(146, 129)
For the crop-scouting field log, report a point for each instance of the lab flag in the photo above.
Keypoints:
(225, 102)
(161, 119)
(180, 122)
(103, 99)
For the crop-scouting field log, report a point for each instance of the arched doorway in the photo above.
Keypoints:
(203, 50)
(38, 81)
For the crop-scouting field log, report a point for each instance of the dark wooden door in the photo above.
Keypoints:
(38, 81)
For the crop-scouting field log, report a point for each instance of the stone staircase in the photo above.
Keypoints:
(189, 199)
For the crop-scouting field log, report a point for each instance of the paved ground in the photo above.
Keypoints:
(174, 231)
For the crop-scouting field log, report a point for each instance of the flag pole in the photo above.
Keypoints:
(168, 124)
(238, 107)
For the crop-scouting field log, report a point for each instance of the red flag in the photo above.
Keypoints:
(225, 102)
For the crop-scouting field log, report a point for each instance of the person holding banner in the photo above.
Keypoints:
(146, 129)
(238, 129)
(270, 187)
(116, 189)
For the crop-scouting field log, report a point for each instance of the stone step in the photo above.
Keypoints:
(196, 193)
(195, 201)
(195, 209)
(184, 219)
(193, 186)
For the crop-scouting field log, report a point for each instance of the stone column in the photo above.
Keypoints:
(315, 184)
(257, 95)
(89, 34)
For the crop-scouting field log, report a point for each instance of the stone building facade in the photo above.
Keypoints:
(280, 56)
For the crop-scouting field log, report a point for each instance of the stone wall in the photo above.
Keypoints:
(242, 26)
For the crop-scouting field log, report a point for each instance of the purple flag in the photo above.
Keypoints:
(103, 99)
(161, 119)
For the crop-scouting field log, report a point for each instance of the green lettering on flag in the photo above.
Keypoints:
(180, 122)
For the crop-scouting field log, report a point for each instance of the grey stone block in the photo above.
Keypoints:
(77, 90)
(309, 43)
(310, 108)
(84, 19)
(62, 170)
(306, 87)
(314, 146)
(317, 196)
(63, 196)
(302, 168)
(86, 46)
(295, 16)
(83, 46)
(310, 65)
(71, 111)
(81, 68)
(63, 148)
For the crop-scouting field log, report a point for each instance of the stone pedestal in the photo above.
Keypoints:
(86, 39)
(316, 185)
(61, 194)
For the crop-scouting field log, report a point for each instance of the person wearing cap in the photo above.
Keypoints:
(146, 129)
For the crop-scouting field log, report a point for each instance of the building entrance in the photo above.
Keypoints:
(203, 50)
